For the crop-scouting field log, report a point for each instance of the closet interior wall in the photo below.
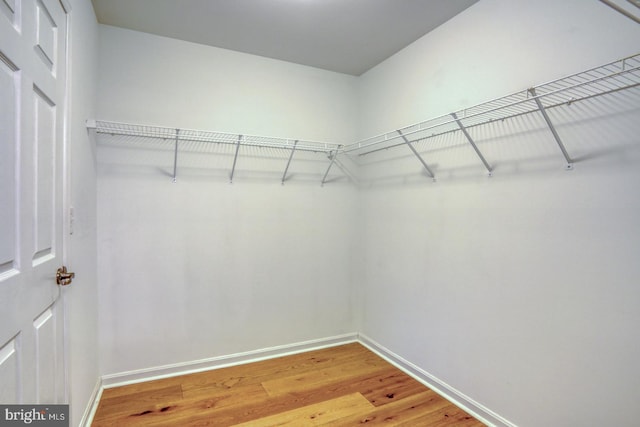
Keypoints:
(203, 268)
(516, 290)
(519, 290)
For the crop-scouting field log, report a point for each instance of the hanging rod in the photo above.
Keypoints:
(605, 79)
(191, 135)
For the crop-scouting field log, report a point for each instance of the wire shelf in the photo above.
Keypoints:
(612, 77)
(191, 135)
(178, 136)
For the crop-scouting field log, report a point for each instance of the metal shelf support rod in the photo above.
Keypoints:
(175, 157)
(293, 150)
(473, 144)
(621, 10)
(417, 155)
(235, 159)
(333, 159)
(346, 171)
(552, 128)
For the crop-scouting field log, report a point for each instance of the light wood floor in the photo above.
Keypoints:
(340, 386)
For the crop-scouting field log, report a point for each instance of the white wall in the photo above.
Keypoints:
(519, 290)
(81, 298)
(204, 268)
(493, 49)
(161, 81)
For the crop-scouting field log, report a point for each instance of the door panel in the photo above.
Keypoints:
(46, 34)
(9, 372)
(32, 86)
(8, 150)
(9, 8)
(45, 338)
(44, 151)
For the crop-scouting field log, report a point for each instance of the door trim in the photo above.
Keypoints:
(66, 199)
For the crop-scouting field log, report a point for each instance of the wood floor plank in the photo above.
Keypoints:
(321, 377)
(328, 386)
(225, 407)
(449, 415)
(396, 385)
(265, 370)
(149, 396)
(323, 413)
(141, 387)
(122, 406)
(400, 411)
(254, 409)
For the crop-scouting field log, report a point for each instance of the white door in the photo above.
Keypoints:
(32, 95)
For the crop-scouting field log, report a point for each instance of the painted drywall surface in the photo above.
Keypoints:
(199, 269)
(494, 48)
(155, 80)
(517, 290)
(202, 267)
(81, 298)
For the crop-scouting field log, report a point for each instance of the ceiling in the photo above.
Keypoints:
(346, 36)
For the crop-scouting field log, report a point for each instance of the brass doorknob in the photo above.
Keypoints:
(63, 277)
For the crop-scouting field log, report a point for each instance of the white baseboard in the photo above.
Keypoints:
(459, 399)
(166, 371)
(92, 405)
